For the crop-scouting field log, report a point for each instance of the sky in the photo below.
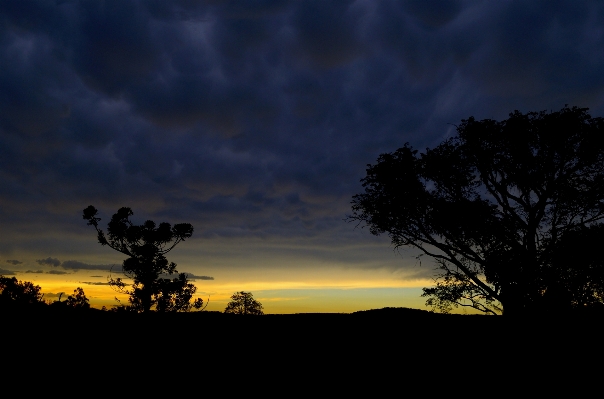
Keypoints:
(254, 122)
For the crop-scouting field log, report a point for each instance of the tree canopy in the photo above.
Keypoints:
(244, 303)
(146, 246)
(78, 300)
(15, 292)
(510, 211)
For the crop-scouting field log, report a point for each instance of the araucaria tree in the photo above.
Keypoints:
(510, 211)
(146, 246)
(244, 303)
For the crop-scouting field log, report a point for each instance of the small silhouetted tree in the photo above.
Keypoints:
(510, 211)
(244, 303)
(78, 300)
(15, 292)
(146, 246)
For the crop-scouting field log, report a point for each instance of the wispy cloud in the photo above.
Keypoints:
(49, 262)
(72, 265)
(53, 294)
(77, 265)
(193, 277)
(93, 283)
(6, 272)
(190, 276)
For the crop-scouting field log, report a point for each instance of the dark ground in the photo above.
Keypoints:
(393, 345)
(392, 329)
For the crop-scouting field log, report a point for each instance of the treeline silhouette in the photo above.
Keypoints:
(24, 295)
(379, 344)
(27, 298)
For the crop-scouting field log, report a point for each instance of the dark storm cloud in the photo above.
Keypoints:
(34, 271)
(326, 33)
(14, 262)
(258, 118)
(56, 272)
(433, 13)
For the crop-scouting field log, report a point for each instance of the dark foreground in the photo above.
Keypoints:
(390, 344)
(389, 328)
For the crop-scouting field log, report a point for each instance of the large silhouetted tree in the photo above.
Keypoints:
(509, 210)
(146, 246)
(244, 303)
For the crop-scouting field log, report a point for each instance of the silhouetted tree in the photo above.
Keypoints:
(507, 209)
(14, 292)
(146, 246)
(244, 303)
(78, 300)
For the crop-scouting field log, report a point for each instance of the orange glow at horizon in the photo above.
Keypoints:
(276, 296)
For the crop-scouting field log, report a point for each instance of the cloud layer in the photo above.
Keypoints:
(256, 119)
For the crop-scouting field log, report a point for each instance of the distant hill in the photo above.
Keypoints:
(395, 312)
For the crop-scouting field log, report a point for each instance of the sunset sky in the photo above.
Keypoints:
(254, 121)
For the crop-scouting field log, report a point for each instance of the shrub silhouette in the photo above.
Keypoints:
(244, 303)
